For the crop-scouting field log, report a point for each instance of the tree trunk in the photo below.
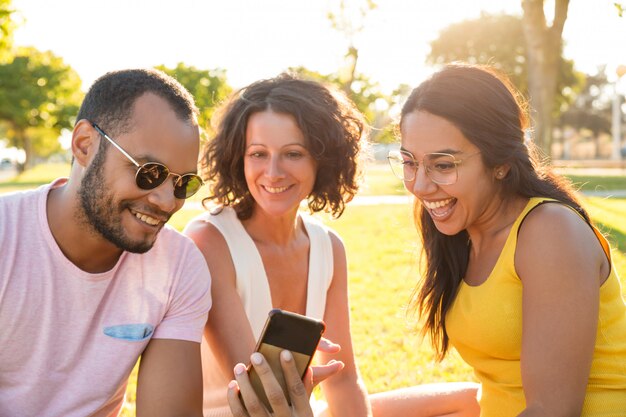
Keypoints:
(543, 44)
(28, 151)
(352, 56)
(22, 141)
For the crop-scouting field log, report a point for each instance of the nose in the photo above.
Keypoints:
(273, 169)
(163, 197)
(421, 185)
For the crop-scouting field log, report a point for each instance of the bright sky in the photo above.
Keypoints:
(255, 39)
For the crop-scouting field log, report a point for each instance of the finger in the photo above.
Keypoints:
(327, 346)
(253, 405)
(273, 390)
(321, 372)
(297, 391)
(234, 401)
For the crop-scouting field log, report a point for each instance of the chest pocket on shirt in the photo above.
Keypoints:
(131, 332)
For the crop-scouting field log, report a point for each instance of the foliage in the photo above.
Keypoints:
(497, 40)
(349, 22)
(592, 107)
(620, 8)
(348, 18)
(40, 95)
(363, 91)
(7, 27)
(209, 88)
(366, 96)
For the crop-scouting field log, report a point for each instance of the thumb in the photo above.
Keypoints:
(318, 373)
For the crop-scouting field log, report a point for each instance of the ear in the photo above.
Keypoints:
(85, 142)
(501, 171)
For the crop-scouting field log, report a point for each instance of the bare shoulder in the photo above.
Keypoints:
(206, 236)
(214, 247)
(554, 237)
(553, 222)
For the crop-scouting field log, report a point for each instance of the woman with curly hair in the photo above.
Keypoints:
(279, 142)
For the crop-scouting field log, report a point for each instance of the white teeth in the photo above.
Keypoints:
(275, 190)
(436, 204)
(146, 219)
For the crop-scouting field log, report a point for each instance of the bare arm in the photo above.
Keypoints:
(562, 266)
(227, 330)
(170, 379)
(345, 392)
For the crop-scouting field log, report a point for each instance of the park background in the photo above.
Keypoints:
(375, 51)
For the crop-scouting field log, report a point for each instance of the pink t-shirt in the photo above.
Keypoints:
(69, 339)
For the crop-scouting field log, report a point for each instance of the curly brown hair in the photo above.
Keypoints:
(332, 127)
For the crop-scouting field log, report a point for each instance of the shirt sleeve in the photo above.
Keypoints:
(190, 299)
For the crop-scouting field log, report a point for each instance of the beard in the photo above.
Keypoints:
(102, 213)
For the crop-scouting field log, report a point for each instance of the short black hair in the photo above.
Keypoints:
(109, 102)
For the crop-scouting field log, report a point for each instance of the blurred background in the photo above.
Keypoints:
(567, 58)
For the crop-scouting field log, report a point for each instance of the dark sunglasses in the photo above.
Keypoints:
(152, 174)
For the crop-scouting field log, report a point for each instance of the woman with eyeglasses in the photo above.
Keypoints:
(517, 279)
(279, 142)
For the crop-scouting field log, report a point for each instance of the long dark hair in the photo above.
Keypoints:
(332, 126)
(491, 114)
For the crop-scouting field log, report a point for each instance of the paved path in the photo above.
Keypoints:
(6, 174)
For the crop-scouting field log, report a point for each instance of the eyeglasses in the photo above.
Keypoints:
(152, 174)
(441, 168)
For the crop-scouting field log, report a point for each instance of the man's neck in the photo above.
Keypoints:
(80, 243)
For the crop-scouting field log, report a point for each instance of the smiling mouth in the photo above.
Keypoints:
(145, 218)
(275, 190)
(439, 208)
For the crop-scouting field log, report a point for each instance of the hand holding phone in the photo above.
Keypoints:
(285, 330)
(241, 392)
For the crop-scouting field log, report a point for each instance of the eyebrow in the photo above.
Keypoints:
(145, 158)
(284, 146)
(447, 150)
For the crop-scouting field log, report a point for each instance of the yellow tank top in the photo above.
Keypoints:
(484, 324)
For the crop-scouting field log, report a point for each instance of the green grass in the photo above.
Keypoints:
(379, 180)
(598, 182)
(32, 178)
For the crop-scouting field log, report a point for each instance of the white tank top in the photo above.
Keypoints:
(254, 291)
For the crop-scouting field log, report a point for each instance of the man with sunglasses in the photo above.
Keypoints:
(90, 276)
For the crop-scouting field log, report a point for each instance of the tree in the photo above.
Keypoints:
(209, 88)
(7, 26)
(591, 110)
(40, 96)
(498, 40)
(544, 45)
(349, 23)
(366, 94)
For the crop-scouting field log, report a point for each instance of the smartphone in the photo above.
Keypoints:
(285, 330)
